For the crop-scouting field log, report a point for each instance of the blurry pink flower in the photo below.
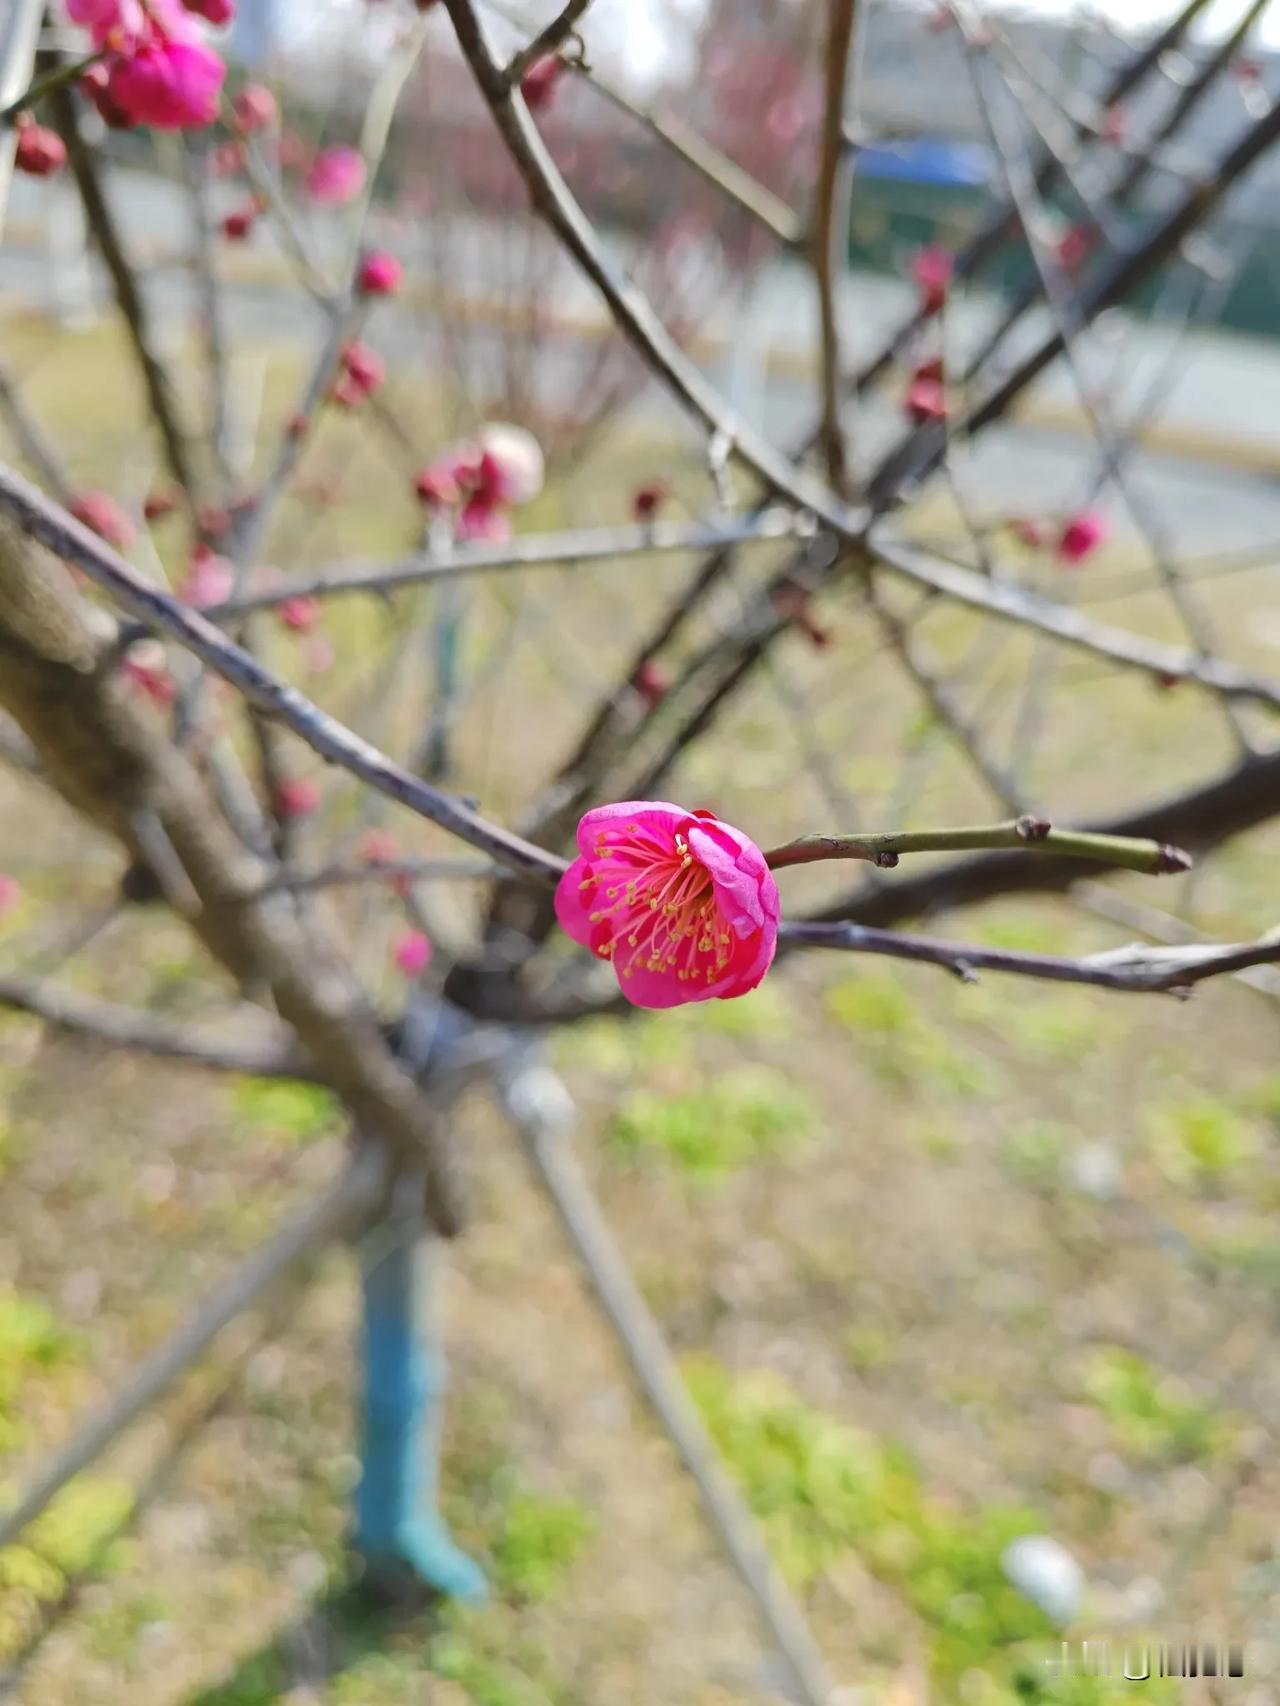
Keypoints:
(228, 159)
(380, 274)
(10, 894)
(412, 953)
(926, 401)
(363, 367)
(105, 17)
(1028, 531)
(1080, 536)
(96, 86)
(210, 579)
(336, 175)
(217, 12)
(254, 108)
(296, 796)
(300, 613)
(483, 522)
(147, 669)
(1074, 246)
(171, 80)
(646, 501)
(379, 846)
(651, 682)
(40, 152)
(436, 487)
(682, 904)
(512, 459)
(100, 512)
(1112, 128)
(538, 86)
(931, 269)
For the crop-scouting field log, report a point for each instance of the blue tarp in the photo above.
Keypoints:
(926, 160)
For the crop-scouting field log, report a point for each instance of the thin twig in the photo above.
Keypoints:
(1026, 834)
(545, 42)
(1138, 968)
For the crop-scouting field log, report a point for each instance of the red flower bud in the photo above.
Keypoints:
(648, 500)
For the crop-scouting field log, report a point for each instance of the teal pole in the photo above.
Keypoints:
(398, 1528)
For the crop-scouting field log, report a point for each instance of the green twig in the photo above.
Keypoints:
(47, 85)
(1030, 834)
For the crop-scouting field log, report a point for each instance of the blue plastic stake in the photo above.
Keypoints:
(398, 1525)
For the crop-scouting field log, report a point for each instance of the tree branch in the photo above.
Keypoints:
(121, 1027)
(1137, 969)
(1029, 834)
(41, 519)
(545, 42)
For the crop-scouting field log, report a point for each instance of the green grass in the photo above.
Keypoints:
(740, 1117)
(1152, 1415)
(824, 1490)
(1202, 1143)
(294, 1113)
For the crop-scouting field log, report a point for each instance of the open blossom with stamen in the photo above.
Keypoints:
(680, 903)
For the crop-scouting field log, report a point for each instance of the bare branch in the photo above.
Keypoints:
(53, 527)
(545, 42)
(1028, 834)
(1138, 968)
(1013, 603)
(829, 239)
(552, 550)
(122, 1027)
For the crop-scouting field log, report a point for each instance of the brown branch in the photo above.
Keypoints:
(117, 1027)
(132, 304)
(545, 42)
(1137, 969)
(829, 241)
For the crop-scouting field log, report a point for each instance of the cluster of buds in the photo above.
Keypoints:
(156, 68)
(362, 374)
(481, 483)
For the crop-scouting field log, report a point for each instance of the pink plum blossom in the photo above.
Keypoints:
(219, 12)
(296, 796)
(926, 401)
(380, 274)
(412, 953)
(538, 85)
(40, 152)
(300, 613)
(337, 175)
(931, 269)
(100, 512)
(682, 904)
(1080, 536)
(254, 108)
(160, 73)
(210, 579)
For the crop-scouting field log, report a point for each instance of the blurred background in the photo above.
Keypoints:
(975, 1287)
